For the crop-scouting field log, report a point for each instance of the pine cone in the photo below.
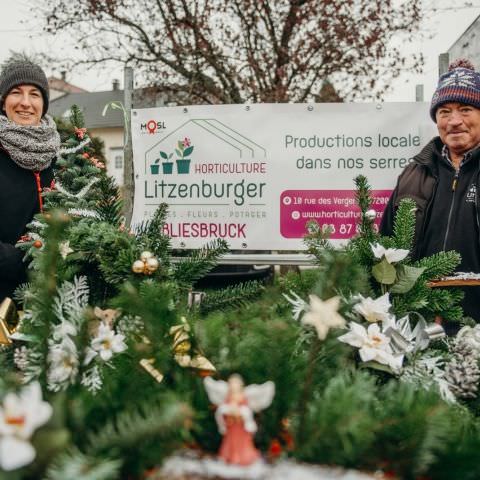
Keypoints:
(463, 373)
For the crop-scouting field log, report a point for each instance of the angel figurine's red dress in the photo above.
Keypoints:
(237, 444)
(234, 415)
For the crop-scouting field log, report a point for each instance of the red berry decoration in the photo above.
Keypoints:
(37, 244)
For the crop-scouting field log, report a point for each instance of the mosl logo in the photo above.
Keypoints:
(152, 126)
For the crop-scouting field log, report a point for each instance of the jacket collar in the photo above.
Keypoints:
(430, 153)
(433, 151)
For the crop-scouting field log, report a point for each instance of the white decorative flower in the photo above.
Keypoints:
(63, 364)
(392, 255)
(373, 310)
(372, 345)
(323, 315)
(107, 342)
(20, 416)
(65, 249)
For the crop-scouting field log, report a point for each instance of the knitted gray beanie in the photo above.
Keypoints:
(22, 71)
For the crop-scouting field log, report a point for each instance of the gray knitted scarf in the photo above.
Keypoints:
(32, 147)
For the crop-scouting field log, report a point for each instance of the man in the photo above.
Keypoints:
(443, 178)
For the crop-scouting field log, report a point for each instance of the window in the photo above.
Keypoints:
(116, 158)
(118, 161)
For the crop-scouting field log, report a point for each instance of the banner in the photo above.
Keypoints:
(255, 175)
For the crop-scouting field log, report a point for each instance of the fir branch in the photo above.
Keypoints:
(151, 237)
(404, 226)
(109, 205)
(340, 424)
(76, 465)
(233, 296)
(317, 241)
(438, 265)
(136, 425)
(76, 117)
(364, 199)
(199, 263)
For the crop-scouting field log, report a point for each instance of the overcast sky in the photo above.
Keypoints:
(440, 30)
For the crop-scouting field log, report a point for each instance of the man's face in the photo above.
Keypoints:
(458, 126)
(24, 105)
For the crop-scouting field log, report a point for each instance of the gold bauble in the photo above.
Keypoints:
(144, 256)
(138, 266)
(152, 264)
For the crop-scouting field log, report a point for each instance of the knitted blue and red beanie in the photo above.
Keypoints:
(460, 84)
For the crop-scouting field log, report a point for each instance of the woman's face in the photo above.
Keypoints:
(24, 105)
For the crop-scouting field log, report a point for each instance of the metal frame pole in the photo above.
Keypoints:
(128, 180)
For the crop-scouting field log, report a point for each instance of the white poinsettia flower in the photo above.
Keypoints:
(373, 310)
(323, 315)
(90, 354)
(20, 416)
(373, 345)
(392, 255)
(107, 342)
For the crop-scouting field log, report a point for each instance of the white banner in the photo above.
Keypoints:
(254, 175)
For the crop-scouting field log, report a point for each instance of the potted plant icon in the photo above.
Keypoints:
(167, 165)
(183, 150)
(155, 167)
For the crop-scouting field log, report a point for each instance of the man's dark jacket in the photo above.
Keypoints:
(19, 202)
(448, 210)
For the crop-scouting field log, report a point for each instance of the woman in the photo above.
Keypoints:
(29, 143)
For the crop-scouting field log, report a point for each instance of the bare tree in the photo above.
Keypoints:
(232, 51)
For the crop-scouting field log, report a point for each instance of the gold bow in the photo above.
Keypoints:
(9, 319)
(182, 350)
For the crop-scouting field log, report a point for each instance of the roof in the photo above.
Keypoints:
(92, 105)
(62, 86)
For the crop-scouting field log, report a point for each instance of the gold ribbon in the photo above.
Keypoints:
(182, 353)
(147, 364)
(182, 350)
(9, 319)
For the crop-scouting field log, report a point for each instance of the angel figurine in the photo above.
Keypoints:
(234, 415)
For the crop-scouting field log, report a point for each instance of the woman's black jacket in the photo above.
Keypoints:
(19, 201)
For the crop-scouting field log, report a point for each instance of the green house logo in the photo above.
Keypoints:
(183, 150)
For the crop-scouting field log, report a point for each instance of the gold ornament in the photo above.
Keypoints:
(147, 264)
(152, 264)
(144, 256)
(9, 319)
(147, 364)
(138, 266)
